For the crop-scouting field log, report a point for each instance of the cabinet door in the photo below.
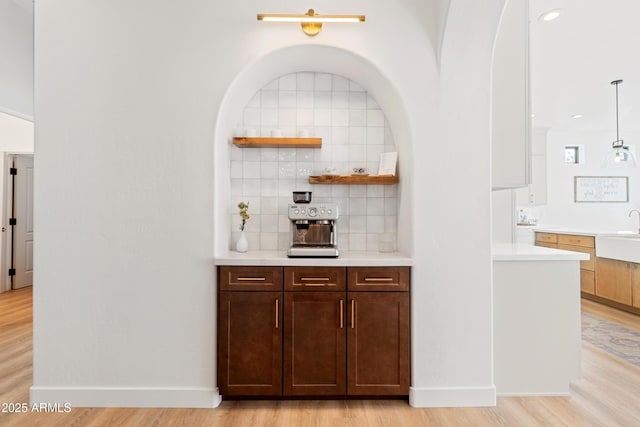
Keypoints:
(635, 284)
(250, 343)
(314, 344)
(587, 281)
(613, 280)
(378, 343)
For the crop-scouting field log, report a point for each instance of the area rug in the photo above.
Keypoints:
(618, 340)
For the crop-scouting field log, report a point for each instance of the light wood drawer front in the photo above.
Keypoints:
(234, 278)
(588, 281)
(315, 278)
(547, 245)
(546, 237)
(589, 264)
(378, 278)
(635, 284)
(570, 239)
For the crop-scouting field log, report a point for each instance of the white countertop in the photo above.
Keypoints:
(574, 231)
(346, 258)
(524, 252)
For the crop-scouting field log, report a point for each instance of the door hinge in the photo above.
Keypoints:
(13, 171)
(12, 221)
(12, 272)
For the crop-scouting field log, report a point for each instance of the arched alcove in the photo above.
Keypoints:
(314, 58)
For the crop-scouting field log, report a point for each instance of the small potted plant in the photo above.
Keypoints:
(242, 244)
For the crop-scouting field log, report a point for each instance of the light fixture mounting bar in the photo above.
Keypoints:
(310, 22)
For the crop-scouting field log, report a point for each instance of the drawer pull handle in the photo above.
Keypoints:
(317, 284)
(251, 279)
(341, 314)
(353, 315)
(314, 279)
(378, 279)
(277, 312)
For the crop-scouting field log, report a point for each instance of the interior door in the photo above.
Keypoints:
(23, 228)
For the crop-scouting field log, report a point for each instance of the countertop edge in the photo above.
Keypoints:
(524, 252)
(346, 259)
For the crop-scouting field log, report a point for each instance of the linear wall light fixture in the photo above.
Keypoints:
(310, 22)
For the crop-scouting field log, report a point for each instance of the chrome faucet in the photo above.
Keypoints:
(638, 212)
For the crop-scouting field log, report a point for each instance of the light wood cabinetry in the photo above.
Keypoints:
(613, 280)
(354, 179)
(635, 285)
(330, 331)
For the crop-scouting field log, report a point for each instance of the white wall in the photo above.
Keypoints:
(139, 110)
(16, 61)
(561, 210)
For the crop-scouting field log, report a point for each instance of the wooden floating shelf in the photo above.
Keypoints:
(260, 142)
(354, 179)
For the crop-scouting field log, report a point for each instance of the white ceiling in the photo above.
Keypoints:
(574, 59)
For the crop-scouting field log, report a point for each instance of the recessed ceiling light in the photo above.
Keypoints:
(577, 116)
(549, 15)
(533, 115)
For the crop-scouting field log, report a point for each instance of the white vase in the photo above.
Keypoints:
(242, 244)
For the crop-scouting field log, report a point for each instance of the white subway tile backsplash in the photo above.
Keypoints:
(340, 100)
(322, 82)
(340, 117)
(287, 99)
(375, 136)
(357, 118)
(305, 99)
(339, 83)
(304, 81)
(288, 82)
(354, 133)
(269, 99)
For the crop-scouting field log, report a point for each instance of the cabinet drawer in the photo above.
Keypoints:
(378, 278)
(587, 264)
(570, 239)
(546, 237)
(232, 278)
(315, 278)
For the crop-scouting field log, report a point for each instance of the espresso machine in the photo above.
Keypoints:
(313, 230)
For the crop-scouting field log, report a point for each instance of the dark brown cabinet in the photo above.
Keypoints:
(378, 343)
(342, 331)
(314, 344)
(250, 332)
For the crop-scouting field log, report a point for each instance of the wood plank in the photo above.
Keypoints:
(259, 142)
(354, 179)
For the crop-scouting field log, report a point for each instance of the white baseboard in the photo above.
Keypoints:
(426, 397)
(131, 397)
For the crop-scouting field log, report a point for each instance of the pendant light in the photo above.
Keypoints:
(619, 155)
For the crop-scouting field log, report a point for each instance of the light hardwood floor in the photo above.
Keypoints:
(606, 395)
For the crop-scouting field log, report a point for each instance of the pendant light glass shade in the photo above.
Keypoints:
(619, 156)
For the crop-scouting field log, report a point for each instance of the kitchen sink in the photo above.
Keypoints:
(621, 246)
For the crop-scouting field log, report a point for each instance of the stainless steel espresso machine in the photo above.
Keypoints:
(313, 230)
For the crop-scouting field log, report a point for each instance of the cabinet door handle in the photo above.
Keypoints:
(353, 314)
(251, 279)
(314, 279)
(378, 279)
(341, 314)
(277, 312)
